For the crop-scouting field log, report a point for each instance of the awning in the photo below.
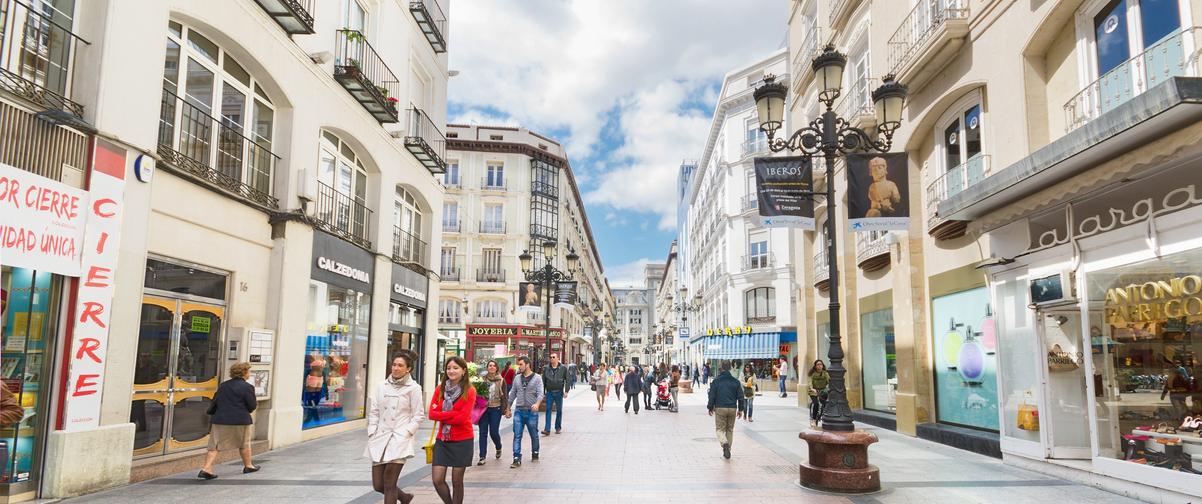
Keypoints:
(743, 346)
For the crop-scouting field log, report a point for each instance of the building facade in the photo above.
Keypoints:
(666, 332)
(509, 190)
(275, 210)
(1043, 287)
(634, 319)
(740, 274)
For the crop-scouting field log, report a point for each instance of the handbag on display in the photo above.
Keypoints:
(429, 446)
(1028, 417)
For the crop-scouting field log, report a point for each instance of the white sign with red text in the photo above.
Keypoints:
(41, 222)
(94, 295)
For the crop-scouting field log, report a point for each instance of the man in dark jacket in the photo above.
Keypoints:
(648, 385)
(555, 379)
(726, 403)
(632, 383)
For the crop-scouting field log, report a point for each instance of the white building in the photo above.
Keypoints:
(635, 316)
(261, 179)
(739, 272)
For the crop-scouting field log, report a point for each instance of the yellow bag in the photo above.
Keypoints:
(429, 447)
(1028, 417)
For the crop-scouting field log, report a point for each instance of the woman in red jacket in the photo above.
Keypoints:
(451, 406)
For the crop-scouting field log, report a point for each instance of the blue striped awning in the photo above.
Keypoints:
(743, 346)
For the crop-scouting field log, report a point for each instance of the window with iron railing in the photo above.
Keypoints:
(494, 177)
(450, 178)
(37, 51)
(494, 219)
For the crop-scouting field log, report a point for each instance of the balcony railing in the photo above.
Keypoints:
(757, 262)
(1174, 56)
(871, 245)
(342, 215)
(544, 188)
(822, 270)
(487, 227)
(432, 21)
(755, 146)
(408, 247)
(493, 184)
(856, 103)
(545, 232)
(425, 141)
(294, 16)
(490, 275)
(37, 51)
(214, 152)
(750, 202)
(451, 183)
(957, 179)
(919, 26)
(839, 9)
(451, 227)
(365, 76)
(809, 48)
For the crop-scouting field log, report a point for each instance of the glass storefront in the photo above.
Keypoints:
(879, 360)
(335, 355)
(29, 303)
(1145, 331)
(405, 333)
(965, 346)
(824, 346)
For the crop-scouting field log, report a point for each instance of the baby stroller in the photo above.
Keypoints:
(663, 397)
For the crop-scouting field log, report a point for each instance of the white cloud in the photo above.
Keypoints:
(627, 275)
(567, 65)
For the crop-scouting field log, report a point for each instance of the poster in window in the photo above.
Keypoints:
(878, 197)
(965, 344)
(783, 192)
(530, 297)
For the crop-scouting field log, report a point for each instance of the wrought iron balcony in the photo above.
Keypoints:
(1174, 56)
(432, 21)
(365, 76)
(215, 153)
(490, 227)
(37, 51)
(544, 232)
(927, 39)
(855, 105)
(294, 16)
(408, 247)
(822, 272)
(449, 273)
(342, 214)
(426, 142)
(810, 47)
(949, 184)
(544, 188)
(489, 275)
(750, 202)
(755, 146)
(758, 262)
(451, 226)
(841, 10)
(493, 184)
(872, 253)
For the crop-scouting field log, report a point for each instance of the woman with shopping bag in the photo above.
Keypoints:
(451, 407)
(393, 416)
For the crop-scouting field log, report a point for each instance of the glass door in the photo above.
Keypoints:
(176, 374)
(1066, 412)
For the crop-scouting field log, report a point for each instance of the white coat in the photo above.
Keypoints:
(393, 416)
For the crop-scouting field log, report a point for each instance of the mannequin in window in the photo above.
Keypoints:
(315, 386)
(883, 193)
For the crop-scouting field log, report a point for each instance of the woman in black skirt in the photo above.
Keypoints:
(451, 406)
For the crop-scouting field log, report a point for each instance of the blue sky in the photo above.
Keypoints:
(628, 86)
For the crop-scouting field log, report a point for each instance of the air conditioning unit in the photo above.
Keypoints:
(1053, 290)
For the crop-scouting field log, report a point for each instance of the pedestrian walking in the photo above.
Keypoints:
(525, 397)
(726, 404)
(696, 376)
(674, 388)
(632, 385)
(782, 369)
(705, 374)
(451, 406)
(555, 379)
(230, 420)
(508, 373)
(749, 390)
(619, 376)
(572, 374)
(600, 383)
(648, 382)
(819, 381)
(498, 406)
(394, 414)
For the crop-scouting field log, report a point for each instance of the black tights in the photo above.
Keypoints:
(439, 475)
(384, 478)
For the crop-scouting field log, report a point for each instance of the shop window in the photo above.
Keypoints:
(1020, 387)
(182, 279)
(965, 344)
(334, 387)
(1145, 333)
(879, 360)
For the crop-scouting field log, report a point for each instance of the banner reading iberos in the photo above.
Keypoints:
(783, 191)
(41, 222)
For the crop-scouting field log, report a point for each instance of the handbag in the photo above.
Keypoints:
(429, 446)
(748, 392)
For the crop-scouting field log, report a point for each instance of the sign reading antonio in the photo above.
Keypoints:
(783, 191)
(878, 196)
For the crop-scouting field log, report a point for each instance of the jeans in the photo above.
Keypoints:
(782, 386)
(618, 391)
(527, 419)
(675, 400)
(555, 400)
(750, 402)
(490, 426)
(632, 398)
(647, 397)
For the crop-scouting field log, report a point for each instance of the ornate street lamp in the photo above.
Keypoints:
(831, 136)
(548, 275)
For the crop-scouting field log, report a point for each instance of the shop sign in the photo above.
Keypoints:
(408, 286)
(94, 294)
(784, 190)
(492, 331)
(728, 331)
(878, 194)
(541, 333)
(337, 262)
(41, 222)
(784, 349)
(201, 324)
(1154, 300)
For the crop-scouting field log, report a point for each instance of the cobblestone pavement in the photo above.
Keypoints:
(613, 456)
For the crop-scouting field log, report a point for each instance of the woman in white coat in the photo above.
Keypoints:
(395, 411)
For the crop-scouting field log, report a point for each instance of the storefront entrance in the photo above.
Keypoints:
(177, 372)
(1066, 414)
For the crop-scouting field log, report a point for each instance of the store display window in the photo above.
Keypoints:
(965, 345)
(1146, 347)
(879, 360)
(334, 388)
(29, 302)
(1018, 355)
(824, 345)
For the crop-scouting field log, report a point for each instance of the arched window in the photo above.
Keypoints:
(342, 188)
(759, 305)
(407, 227)
(215, 116)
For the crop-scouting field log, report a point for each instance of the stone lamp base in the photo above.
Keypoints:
(839, 462)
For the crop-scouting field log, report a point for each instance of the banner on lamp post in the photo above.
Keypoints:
(565, 295)
(530, 297)
(878, 196)
(784, 188)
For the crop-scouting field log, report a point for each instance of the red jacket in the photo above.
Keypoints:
(460, 416)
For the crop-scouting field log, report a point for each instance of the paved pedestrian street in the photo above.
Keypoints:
(613, 456)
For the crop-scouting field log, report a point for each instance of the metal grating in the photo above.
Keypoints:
(38, 146)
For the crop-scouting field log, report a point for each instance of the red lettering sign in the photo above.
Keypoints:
(92, 310)
(88, 346)
(85, 380)
(98, 273)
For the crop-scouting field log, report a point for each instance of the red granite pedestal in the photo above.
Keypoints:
(839, 462)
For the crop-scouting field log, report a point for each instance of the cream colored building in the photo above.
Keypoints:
(509, 190)
(272, 168)
(990, 311)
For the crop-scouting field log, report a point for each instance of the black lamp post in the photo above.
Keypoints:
(595, 324)
(547, 275)
(831, 136)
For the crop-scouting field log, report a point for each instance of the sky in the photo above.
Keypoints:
(628, 86)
